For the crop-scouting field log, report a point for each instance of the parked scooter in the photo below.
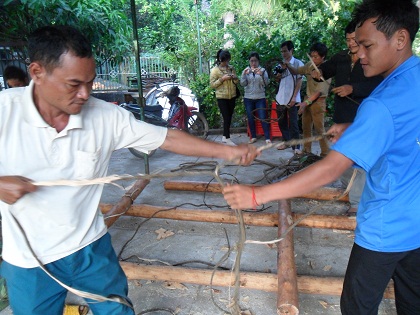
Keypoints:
(180, 116)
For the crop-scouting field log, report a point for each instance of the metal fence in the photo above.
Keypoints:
(119, 76)
(12, 54)
(111, 75)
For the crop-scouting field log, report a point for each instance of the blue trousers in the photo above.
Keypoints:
(94, 269)
(250, 106)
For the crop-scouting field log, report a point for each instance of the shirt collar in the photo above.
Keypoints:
(33, 117)
(406, 65)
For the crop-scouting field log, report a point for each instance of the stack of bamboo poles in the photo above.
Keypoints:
(286, 283)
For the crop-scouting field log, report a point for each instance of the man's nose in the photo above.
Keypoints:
(84, 91)
(361, 52)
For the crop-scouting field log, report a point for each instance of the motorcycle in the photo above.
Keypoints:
(164, 107)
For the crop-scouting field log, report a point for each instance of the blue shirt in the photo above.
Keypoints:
(384, 140)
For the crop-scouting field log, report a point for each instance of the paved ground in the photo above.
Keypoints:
(318, 252)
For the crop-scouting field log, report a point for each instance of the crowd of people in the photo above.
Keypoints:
(351, 87)
(377, 133)
(68, 134)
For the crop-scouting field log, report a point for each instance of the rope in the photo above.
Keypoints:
(83, 294)
(113, 178)
(234, 306)
(353, 176)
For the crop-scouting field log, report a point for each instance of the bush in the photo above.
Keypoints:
(207, 99)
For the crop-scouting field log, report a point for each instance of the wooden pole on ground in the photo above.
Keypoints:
(249, 280)
(338, 222)
(324, 193)
(287, 295)
(125, 202)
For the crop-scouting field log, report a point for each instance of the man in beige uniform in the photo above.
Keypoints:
(314, 106)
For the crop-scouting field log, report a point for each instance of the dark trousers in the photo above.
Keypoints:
(257, 107)
(226, 109)
(288, 124)
(368, 273)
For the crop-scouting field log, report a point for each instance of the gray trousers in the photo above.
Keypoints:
(358, 184)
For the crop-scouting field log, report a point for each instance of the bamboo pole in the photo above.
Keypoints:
(249, 280)
(339, 222)
(125, 202)
(324, 193)
(287, 295)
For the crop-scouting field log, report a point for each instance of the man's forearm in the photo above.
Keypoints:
(180, 142)
(317, 175)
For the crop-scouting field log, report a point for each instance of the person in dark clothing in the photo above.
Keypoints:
(384, 141)
(351, 84)
(15, 77)
(351, 88)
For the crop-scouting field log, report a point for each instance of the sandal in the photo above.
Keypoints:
(282, 147)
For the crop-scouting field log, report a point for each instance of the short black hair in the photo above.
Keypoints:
(288, 44)
(320, 48)
(173, 91)
(390, 16)
(13, 72)
(254, 54)
(47, 44)
(350, 28)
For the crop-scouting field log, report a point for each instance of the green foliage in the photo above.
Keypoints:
(169, 28)
(302, 21)
(207, 99)
(105, 22)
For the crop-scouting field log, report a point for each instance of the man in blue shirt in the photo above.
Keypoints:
(384, 140)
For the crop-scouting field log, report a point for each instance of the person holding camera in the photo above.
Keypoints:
(223, 79)
(314, 106)
(255, 78)
(384, 140)
(288, 95)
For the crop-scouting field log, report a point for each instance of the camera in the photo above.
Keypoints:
(278, 69)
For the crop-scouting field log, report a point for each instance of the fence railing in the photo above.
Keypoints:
(111, 76)
(123, 75)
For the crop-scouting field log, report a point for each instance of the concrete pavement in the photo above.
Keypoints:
(318, 252)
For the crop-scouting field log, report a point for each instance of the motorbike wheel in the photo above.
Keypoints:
(140, 154)
(198, 125)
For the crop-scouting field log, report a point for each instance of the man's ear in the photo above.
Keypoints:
(403, 38)
(37, 71)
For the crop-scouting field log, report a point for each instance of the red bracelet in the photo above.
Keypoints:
(254, 199)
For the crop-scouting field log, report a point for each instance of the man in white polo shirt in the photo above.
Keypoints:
(53, 130)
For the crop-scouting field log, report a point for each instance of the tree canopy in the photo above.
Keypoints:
(106, 23)
(168, 28)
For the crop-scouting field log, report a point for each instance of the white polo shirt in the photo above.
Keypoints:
(60, 220)
(288, 83)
